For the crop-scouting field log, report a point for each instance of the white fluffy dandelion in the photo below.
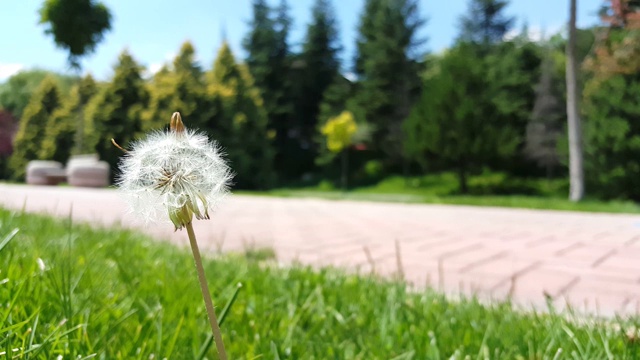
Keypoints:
(179, 173)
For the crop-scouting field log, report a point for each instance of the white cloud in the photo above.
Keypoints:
(6, 70)
(350, 76)
(535, 33)
(155, 67)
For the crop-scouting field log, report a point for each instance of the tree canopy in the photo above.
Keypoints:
(77, 26)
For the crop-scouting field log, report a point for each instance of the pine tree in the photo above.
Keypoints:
(115, 112)
(320, 66)
(485, 23)
(389, 81)
(547, 117)
(239, 122)
(180, 90)
(32, 128)
(612, 136)
(511, 67)
(269, 61)
(510, 70)
(611, 127)
(62, 128)
(16, 91)
(449, 122)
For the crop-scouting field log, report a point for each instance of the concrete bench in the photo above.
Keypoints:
(40, 172)
(87, 171)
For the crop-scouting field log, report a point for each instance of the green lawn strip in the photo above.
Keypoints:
(71, 290)
(513, 201)
(491, 189)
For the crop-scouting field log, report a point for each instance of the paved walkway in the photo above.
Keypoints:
(589, 260)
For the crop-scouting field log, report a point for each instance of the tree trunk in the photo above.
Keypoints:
(345, 169)
(462, 178)
(576, 171)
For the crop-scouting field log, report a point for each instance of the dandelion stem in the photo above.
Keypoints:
(213, 320)
(118, 146)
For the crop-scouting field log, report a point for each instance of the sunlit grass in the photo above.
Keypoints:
(491, 189)
(70, 290)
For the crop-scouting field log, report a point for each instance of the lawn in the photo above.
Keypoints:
(72, 291)
(492, 189)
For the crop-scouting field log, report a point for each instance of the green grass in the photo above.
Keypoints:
(77, 292)
(485, 190)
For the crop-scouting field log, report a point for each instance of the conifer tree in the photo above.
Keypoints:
(319, 67)
(180, 90)
(611, 111)
(32, 128)
(239, 121)
(62, 129)
(485, 23)
(269, 61)
(448, 123)
(18, 89)
(388, 74)
(510, 69)
(115, 112)
(547, 117)
(612, 136)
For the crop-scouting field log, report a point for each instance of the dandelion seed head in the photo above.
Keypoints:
(181, 173)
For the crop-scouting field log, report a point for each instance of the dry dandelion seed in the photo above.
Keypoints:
(179, 173)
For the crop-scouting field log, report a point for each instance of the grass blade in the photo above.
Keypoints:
(8, 238)
(226, 309)
(274, 350)
(223, 315)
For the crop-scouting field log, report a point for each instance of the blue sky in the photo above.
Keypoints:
(153, 30)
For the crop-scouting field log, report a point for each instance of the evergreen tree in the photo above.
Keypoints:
(389, 80)
(612, 136)
(611, 127)
(367, 31)
(16, 92)
(32, 128)
(239, 122)
(449, 121)
(510, 70)
(62, 128)
(319, 67)
(182, 90)
(485, 23)
(269, 61)
(510, 67)
(546, 125)
(115, 112)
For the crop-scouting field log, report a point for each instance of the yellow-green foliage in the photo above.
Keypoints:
(238, 121)
(64, 128)
(339, 131)
(33, 123)
(178, 89)
(115, 112)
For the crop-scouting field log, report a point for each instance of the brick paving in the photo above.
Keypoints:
(591, 261)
